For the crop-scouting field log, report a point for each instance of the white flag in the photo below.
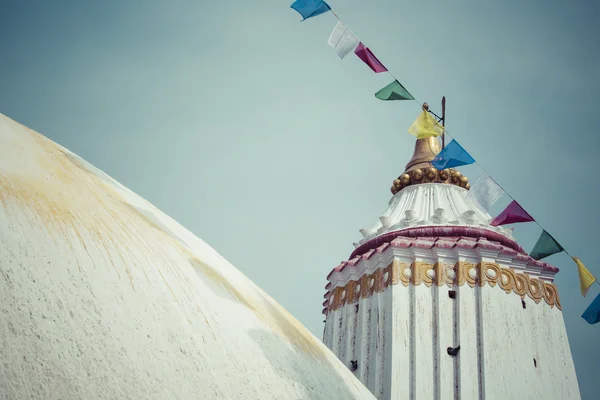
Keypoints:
(342, 40)
(485, 192)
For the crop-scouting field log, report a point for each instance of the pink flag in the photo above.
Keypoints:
(511, 214)
(369, 58)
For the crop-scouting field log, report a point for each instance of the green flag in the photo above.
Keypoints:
(545, 246)
(394, 91)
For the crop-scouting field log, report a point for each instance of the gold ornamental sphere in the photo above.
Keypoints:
(456, 176)
(431, 173)
(405, 179)
(417, 174)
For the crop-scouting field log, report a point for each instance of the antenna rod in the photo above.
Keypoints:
(443, 121)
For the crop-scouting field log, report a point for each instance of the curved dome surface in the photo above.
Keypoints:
(104, 296)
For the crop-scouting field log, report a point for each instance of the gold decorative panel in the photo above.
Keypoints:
(440, 274)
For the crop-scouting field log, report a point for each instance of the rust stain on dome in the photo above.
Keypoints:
(77, 205)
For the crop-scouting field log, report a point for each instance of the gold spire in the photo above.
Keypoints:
(420, 170)
(425, 151)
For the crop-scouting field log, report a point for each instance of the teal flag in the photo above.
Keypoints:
(592, 313)
(394, 91)
(453, 155)
(310, 8)
(545, 246)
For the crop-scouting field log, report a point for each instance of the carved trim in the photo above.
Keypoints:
(430, 175)
(439, 274)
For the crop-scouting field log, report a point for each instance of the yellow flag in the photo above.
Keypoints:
(586, 279)
(425, 126)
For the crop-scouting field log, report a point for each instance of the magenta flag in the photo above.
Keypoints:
(369, 58)
(511, 214)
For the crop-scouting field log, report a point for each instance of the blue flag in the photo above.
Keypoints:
(310, 8)
(592, 313)
(453, 155)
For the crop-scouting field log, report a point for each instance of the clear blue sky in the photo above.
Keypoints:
(241, 123)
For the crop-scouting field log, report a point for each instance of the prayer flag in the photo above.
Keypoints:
(586, 279)
(365, 54)
(485, 192)
(425, 126)
(592, 313)
(342, 40)
(394, 91)
(310, 8)
(453, 155)
(545, 246)
(512, 213)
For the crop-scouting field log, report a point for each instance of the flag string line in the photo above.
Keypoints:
(511, 197)
(387, 70)
(451, 136)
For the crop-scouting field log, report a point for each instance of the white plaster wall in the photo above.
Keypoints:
(102, 296)
(516, 336)
(507, 344)
(469, 377)
(403, 339)
(365, 337)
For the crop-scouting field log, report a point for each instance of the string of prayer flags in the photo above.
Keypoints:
(485, 192)
(545, 246)
(586, 279)
(592, 313)
(310, 8)
(394, 91)
(425, 126)
(365, 54)
(453, 155)
(342, 40)
(513, 213)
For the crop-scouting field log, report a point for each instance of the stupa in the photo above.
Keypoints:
(102, 296)
(435, 303)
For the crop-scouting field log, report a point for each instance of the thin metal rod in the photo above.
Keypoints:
(435, 115)
(444, 121)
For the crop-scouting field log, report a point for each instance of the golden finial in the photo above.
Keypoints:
(425, 150)
(420, 170)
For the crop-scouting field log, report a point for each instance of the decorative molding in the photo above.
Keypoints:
(440, 274)
(430, 175)
(438, 232)
(448, 237)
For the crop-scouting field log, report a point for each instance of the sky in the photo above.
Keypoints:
(241, 123)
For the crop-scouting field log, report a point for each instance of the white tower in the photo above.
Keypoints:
(102, 296)
(434, 303)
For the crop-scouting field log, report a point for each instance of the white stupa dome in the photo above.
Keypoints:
(104, 296)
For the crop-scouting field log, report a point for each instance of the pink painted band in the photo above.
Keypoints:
(443, 237)
(437, 231)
